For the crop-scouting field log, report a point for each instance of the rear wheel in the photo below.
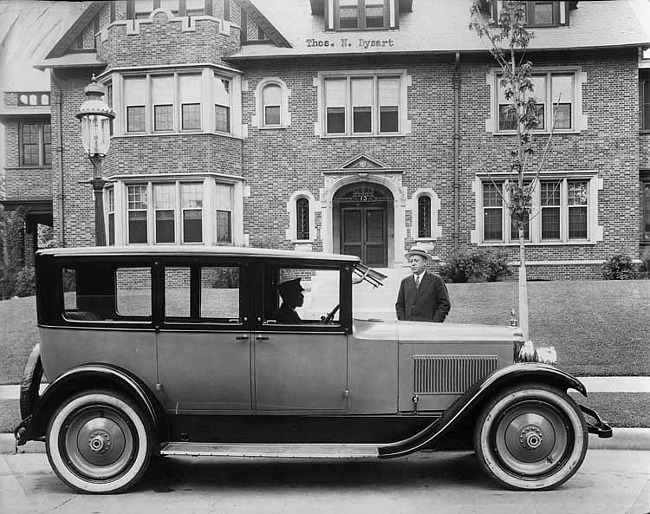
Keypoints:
(99, 442)
(531, 437)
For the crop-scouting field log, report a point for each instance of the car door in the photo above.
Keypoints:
(301, 366)
(204, 346)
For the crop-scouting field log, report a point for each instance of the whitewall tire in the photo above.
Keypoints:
(99, 442)
(531, 437)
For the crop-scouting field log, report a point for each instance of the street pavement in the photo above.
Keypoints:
(609, 482)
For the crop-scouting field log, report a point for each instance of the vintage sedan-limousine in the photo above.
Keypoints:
(181, 351)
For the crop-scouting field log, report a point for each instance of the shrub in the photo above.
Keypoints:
(18, 282)
(478, 264)
(618, 267)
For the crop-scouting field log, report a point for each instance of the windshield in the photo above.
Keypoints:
(361, 273)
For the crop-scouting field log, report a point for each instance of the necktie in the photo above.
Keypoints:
(417, 281)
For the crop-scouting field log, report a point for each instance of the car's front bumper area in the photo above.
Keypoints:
(597, 426)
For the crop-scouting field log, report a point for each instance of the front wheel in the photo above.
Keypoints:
(531, 437)
(99, 442)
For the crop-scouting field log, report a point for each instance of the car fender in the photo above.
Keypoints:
(474, 397)
(79, 378)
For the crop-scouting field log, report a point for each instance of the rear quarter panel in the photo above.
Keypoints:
(63, 348)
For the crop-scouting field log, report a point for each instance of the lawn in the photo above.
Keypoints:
(599, 328)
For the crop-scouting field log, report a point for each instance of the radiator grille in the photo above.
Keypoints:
(450, 373)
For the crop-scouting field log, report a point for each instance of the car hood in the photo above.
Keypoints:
(420, 331)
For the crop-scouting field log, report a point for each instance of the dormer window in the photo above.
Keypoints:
(540, 14)
(361, 14)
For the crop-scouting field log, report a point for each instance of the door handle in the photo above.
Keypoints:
(262, 338)
(242, 338)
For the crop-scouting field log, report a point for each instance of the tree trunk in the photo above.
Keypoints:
(523, 286)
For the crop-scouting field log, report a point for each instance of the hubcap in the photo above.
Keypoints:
(531, 439)
(98, 442)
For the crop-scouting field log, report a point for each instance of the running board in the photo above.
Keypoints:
(317, 451)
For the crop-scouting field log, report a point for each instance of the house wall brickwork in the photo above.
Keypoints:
(276, 163)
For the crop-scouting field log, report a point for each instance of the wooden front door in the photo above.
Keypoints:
(364, 233)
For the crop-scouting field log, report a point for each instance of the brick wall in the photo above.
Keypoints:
(276, 163)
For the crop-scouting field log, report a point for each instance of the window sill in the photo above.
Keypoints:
(360, 136)
(167, 134)
(556, 132)
(528, 244)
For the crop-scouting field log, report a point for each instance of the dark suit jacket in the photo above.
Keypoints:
(429, 302)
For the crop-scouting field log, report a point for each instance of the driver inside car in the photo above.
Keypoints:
(292, 296)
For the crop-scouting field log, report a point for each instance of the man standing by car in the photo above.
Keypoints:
(422, 296)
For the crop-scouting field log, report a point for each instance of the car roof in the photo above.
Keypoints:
(196, 251)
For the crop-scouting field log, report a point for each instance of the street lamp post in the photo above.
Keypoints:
(95, 116)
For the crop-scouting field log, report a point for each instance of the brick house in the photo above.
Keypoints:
(353, 126)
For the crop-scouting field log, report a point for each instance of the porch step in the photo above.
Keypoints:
(318, 451)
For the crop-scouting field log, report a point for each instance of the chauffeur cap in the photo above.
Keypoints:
(290, 286)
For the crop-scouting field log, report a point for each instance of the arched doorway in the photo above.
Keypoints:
(363, 221)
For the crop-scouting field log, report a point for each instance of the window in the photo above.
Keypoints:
(362, 105)
(192, 212)
(202, 210)
(222, 105)
(35, 144)
(174, 102)
(137, 213)
(543, 14)
(164, 201)
(645, 99)
(302, 214)
(492, 212)
(564, 211)
(540, 14)
(550, 205)
(163, 103)
(360, 14)
(577, 200)
(225, 208)
(288, 298)
(141, 9)
(133, 291)
(190, 99)
(272, 105)
(220, 292)
(424, 216)
(33, 99)
(110, 208)
(135, 99)
(556, 89)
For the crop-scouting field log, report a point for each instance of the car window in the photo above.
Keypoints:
(303, 295)
(220, 292)
(133, 291)
(177, 291)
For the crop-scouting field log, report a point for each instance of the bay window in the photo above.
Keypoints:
(175, 102)
(191, 210)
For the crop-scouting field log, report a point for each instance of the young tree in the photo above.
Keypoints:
(509, 37)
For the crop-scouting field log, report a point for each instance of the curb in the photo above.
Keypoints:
(623, 439)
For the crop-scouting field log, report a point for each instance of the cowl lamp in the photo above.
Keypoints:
(95, 116)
